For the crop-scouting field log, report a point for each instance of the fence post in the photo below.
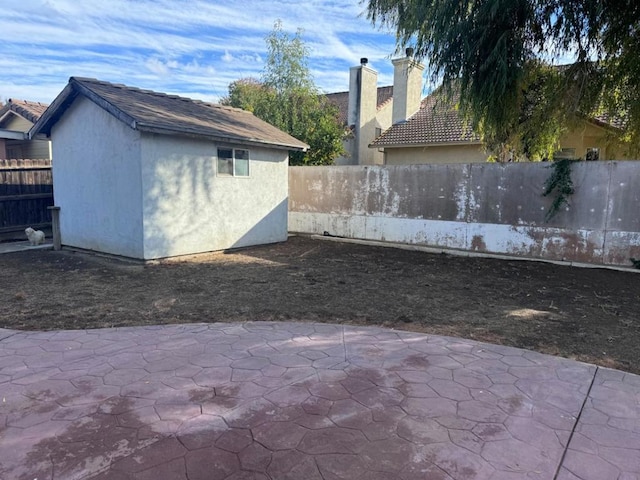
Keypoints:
(55, 227)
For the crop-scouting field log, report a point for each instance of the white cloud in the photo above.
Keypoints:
(193, 48)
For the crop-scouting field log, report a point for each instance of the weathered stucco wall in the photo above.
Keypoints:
(487, 207)
(152, 196)
(188, 208)
(97, 178)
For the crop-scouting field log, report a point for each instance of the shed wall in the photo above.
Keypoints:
(97, 180)
(189, 209)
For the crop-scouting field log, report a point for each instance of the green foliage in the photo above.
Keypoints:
(635, 262)
(286, 97)
(496, 55)
(286, 68)
(559, 182)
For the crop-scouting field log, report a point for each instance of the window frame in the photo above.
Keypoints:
(233, 158)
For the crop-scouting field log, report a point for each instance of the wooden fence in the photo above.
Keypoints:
(26, 190)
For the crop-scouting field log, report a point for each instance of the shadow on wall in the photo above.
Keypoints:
(187, 209)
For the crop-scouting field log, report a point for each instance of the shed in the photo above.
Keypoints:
(148, 175)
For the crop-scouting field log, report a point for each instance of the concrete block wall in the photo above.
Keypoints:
(488, 207)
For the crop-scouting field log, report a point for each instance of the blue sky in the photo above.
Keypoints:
(193, 48)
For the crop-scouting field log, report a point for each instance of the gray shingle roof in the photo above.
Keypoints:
(436, 122)
(29, 110)
(156, 112)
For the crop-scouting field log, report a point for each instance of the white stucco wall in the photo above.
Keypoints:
(188, 209)
(97, 181)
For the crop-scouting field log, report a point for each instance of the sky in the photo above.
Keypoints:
(193, 48)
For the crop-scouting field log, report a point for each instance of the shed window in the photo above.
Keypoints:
(233, 162)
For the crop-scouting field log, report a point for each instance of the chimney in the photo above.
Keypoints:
(363, 99)
(407, 86)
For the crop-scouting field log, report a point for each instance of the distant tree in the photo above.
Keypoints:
(497, 54)
(286, 97)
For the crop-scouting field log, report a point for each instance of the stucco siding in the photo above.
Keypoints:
(487, 208)
(436, 154)
(96, 172)
(591, 136)
(189, 209)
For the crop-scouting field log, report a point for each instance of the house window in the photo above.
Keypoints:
(233, 162)
(593, 154)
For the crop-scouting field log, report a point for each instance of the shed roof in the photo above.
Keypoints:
(155, 112)
(26, 109)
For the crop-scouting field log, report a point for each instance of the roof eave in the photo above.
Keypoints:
(64, 100)
(431, 144)
(4, 115)
(53, 113)
(13, 134)
(220, 138)
(603, 125)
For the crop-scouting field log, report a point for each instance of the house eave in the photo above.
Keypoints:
(13, 134)
(423, 145)
(218, 138)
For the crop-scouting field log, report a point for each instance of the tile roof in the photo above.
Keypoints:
(29, 110)
(156, 112)
(607, 120)
(436, 122)
(341, 100)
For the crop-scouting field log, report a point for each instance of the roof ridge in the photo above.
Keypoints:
(159, 94)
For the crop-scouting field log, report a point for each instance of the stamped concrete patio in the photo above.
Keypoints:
(305, 401)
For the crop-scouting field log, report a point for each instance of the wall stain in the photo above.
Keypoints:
(477, 244)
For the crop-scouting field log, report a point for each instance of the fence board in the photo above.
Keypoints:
(26, 190)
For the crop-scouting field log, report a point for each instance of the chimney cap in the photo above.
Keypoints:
(364, 61)
(409, 52)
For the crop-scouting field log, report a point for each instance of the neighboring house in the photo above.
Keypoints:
(16, 119)
(367, 110)
(437, 133)
(148, 175)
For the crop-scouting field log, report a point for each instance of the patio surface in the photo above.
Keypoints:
(305, 401)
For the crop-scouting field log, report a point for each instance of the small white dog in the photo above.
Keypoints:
(36, 237)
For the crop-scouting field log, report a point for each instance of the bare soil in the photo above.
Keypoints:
(590, 315)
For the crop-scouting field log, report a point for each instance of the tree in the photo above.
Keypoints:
(497, 54)
(286, 97)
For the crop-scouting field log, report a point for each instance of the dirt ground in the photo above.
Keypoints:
(591, 315)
